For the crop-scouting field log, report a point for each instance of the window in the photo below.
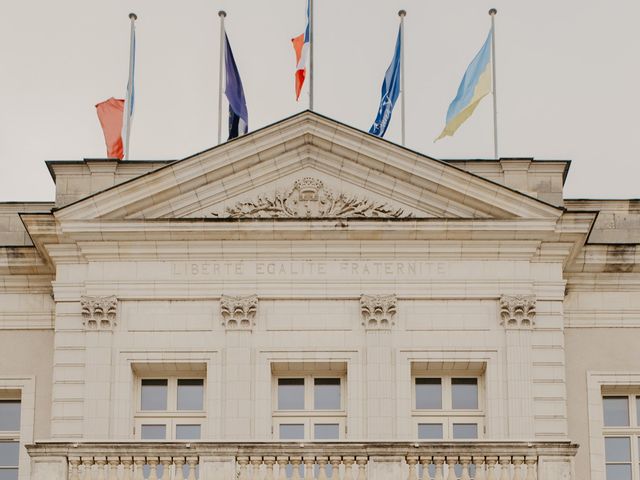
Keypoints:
(170, 408)
(447, 407)
(621, 418)
(309, 407)
(9, 438)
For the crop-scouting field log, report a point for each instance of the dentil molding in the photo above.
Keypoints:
(517, 311)
(378, 311)
(238, 313)
(99, 313)
(309, 198)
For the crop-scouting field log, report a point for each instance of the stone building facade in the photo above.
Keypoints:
(309, 301)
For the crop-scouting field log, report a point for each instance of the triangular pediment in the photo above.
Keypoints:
(308, 166)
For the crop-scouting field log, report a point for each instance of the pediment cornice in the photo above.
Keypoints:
(419, 184)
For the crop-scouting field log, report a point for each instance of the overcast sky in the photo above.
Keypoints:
(568, 78)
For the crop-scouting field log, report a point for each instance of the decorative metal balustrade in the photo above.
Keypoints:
(476, 460)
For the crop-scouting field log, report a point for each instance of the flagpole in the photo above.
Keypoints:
(402, 14)
(311, 54)
(127, 117)
(493, 13)
(222, 14)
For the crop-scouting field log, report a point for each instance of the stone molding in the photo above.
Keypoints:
(238, 313)
(309, 198)
(517, 311)
(99, 313)
(378, 311)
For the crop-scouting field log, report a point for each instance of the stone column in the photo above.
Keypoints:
(378, 312)
(99, 317)
(238, 317)
(517, 314)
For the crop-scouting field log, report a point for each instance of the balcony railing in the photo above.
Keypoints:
(477, 460)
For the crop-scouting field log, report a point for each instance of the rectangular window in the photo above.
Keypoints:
(429, 393)
(621, 423)
(309, 407)
(170, 408)
(464, 393)
(291, 394)
(326, 394)
(9, 415)
(447, 407)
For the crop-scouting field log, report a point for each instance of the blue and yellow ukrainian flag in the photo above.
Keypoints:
(475, 85)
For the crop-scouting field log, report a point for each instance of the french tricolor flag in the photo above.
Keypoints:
(301, 45)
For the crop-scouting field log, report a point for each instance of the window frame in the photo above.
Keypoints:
(309, 416)
(631, 431)
(171, 417)
(447, 415)
(12, 436)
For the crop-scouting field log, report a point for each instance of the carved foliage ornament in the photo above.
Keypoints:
(309, 198)
(99, 313)
(378, 311)
(518, 310)
(238, 313)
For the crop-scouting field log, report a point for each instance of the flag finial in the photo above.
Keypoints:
(133, 16)
(402, 13)
(493, 11)
(222, 13)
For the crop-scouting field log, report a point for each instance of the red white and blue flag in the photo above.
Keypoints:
(302, 44)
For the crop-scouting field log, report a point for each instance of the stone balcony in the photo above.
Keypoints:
(461, 460)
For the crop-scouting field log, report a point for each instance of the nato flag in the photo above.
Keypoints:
(238, 115)
(390, 92)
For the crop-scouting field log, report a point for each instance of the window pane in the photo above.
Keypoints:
(190, 394)
(291, 394)
(9, 452)
(463, 431)
(326, 431)
(617, 449)
(616, 411)
(638, 411)
(154, 395)
(430, 431)
(326, 394)
(464, 393)
(291, 431)
(429, 393)
(618, 472)
(9, 474)
(153, 432)
(10, 415)
(187, 432)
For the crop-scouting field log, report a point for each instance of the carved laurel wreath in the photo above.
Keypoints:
(308, 198)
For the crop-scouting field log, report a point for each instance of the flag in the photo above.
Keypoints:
(238, 115)
(129, 99)
(301, 45)
(110, 116)
(475, 85)
(390, 91)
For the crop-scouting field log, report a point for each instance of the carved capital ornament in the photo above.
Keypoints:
(378, 311)
(238, 313)
(99, 313)
(517, 311)
(309, 198)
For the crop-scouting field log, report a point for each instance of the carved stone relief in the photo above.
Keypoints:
(99, 313)
(238, 313)
(378, 311)
(309, 198)
(518, 310)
